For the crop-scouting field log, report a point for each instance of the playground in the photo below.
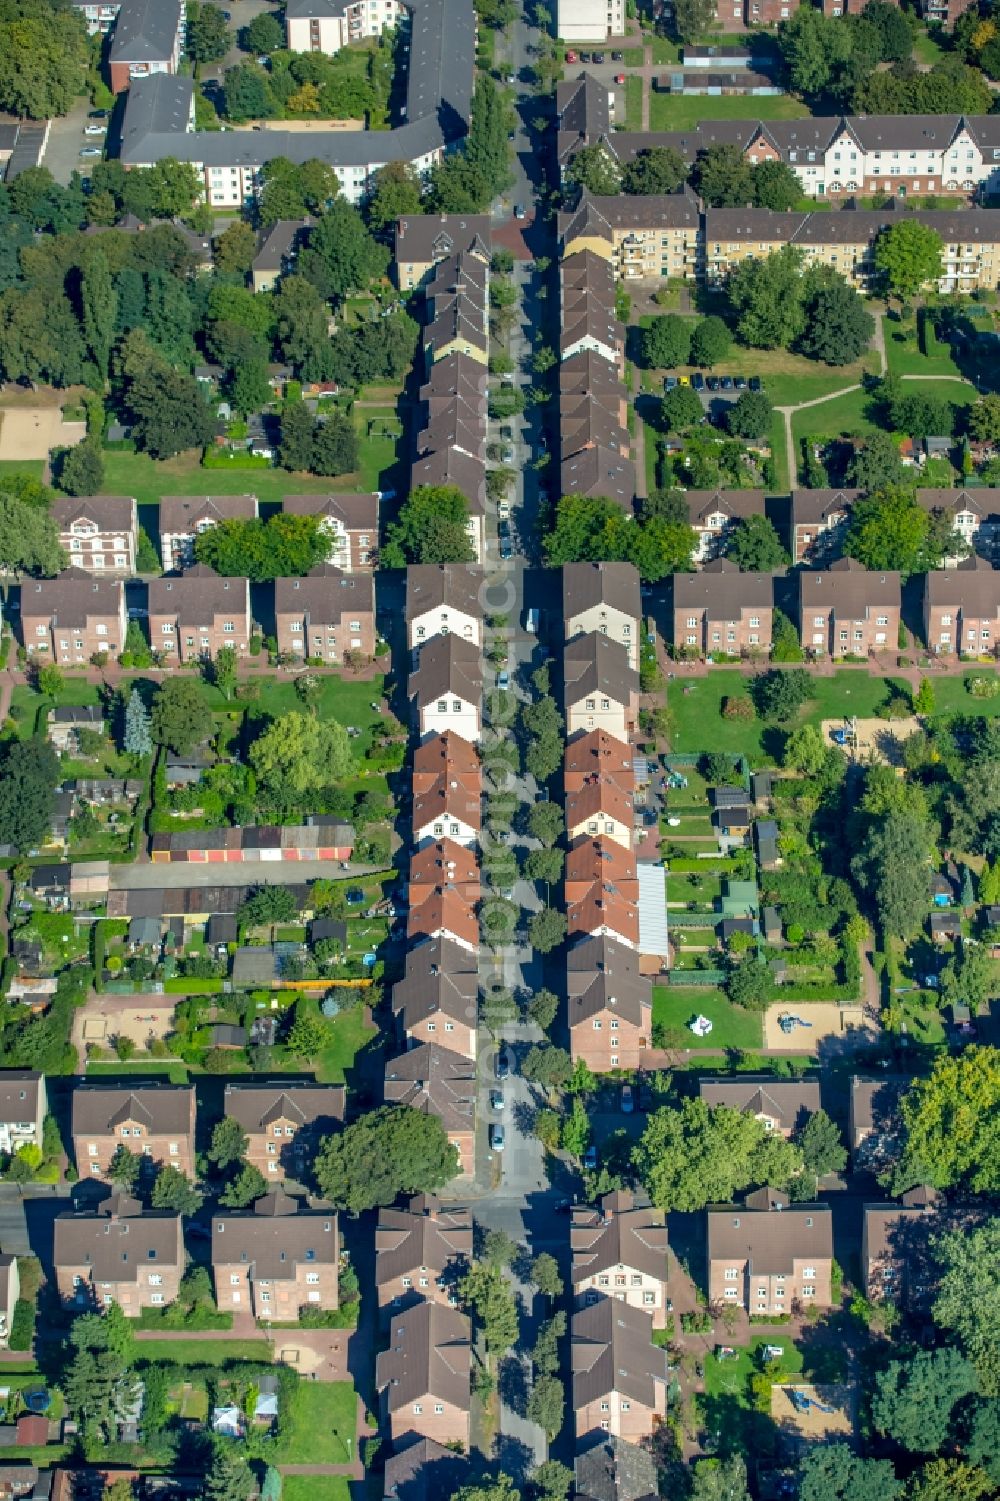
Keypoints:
(870, 740)
(807, 1024)
(807, 1414)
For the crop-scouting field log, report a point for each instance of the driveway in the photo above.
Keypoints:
(67, 140)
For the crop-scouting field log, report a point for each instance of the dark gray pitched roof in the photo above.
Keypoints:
(722, 591)
(145, 31)
(848, 589)
(19, 1088)
(603, 974)
(447, 664)
(611, 1469)
(596, 663)
(198, 595)
(456, 585)
(771, 1238)
(589, 585)
(430, 1353)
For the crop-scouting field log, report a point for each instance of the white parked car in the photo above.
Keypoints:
(95, 130)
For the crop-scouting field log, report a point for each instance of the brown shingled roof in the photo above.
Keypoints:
(98, 1109)
(119, 1239)
(973, 587)
(198, 595)
(326, 594)
(848, 589)
(256, 1106)
(447, 664)
(273, 1241)
(587, 586)
(596, 663)
(771, 1239)
(434, 1080)
(441, 977)
(612, 1350)
(455, 585)
(603, 974)
(429, 1354)
(722, 590)
(621, 1232)
(786, 1101)
(71, 598)
(425, 1235)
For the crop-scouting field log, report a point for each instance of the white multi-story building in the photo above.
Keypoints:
(328, 25)
(590, 20)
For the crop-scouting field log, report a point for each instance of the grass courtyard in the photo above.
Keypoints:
(323, 1427)
(674, 112)
(315, 1488)
(674, 1006)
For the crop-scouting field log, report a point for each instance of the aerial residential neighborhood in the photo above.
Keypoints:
(519, 487)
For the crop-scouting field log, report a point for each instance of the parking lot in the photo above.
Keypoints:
(67, 140)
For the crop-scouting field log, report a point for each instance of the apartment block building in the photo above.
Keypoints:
(437, 998)
(23, 1107)
(897, 1264)
(444, 599)
(328, 25)
(443, 912)
(118, 1254)
(276, 1259)
(97, 532)
(619, 1252)
(723, 612)
(603, 597)
(423, 240)
(600, 688)
(182, 518)
(962, 610)
(435, 117)
(284, 1123)
(327, 615)
(195, 614)
(818, 521)
(610, 1005)
(874, 1119)
(768, 1256)
(69, 619)
(435, 1080)
(601, 806)
(153, 1121)
(148, 39)
(443, 863)
(619, 1376)
(848, 610)
(602, 472)
(714, 513)
(424, 1377)
(421, 1251)
(351, 523)
(781, 1105)
(590, 20)
(644, 239)
(587, 313)
(833, 156)
(446, 688)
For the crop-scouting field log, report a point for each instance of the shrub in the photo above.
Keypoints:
(983, 685)
(738, 706)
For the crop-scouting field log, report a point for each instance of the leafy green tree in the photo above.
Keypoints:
(767, 297)
(914, 1399)
(982, 1435)
(948, 1119)
(168, 411)
(779, 695)
(124, 1167)
(236, 247)
(749, 984)
(547, 1400)
(984, 419)
(29, 772)
(950, 1480)
(908, 256)
(692, 18)
(805, 750)
(832, 1472)
(431, 528)
(29, 539)
(659, 169)
(887, 869)
(547, 929)
(545, 1275)
(81, 469)
(711, 341)
(249, 1184)
(596, 170)
(246, 94)
(229, 1477)
(696, 1155)
(499, 1489)
(172, 1190)
(545, 865)
(42, 60)
(207, 37)
(821, 1146)
(548, 1065)
(720, 1479)
(749, 416)
(724, 177)
(342, 256)
(814, 48)
(666, 342)
(299, 752)
(552, 1481)
(181, 717)
(268, 905)
(875, 466)
(387, 1152)
(395, 191)
(576, 1132)
(485, 1291)
(229, 1142)
(297, 428)
(681, 409)
(335, 445)
(966, 1302)
(776, 186)
(923, 699)
(546, 822)
(543, 1008)
(499, 1249)
(838, 326)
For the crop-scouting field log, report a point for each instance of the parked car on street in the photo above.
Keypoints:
(497, 1138)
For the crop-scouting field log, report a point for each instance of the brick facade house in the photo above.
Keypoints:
(768, 1256)
(721, 611)
(420, 1252)
(619, 1251)
(118, 1254)
(182, 518)
(610, 1005)
(69, 619)
(326, 614)
(424, 1375)
(98, 532)
(848, 610)
(276, 1259)
(619, 1376)
(154, 1121)
(197, 613)
(284, 1123)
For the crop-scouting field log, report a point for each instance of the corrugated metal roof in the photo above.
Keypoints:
(652, 910)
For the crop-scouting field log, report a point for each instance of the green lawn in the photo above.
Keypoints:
(633, 104)
(902, 347)
(62, 941)
(664, 50)
(927, 50)
(779, 453)
(9, 467)
(315, 1488)
(377, 455)
(345, 699)
(848, 414)
(732, 1377)
(147, 479)
(175, 1073)
(674, 112)
(203, 1351)
(732, 1027)
(692, 887)
(324, 1418)
(349, 1034)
